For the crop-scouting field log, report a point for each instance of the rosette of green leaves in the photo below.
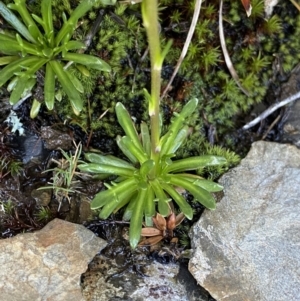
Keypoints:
(36, 47)
(143, 187)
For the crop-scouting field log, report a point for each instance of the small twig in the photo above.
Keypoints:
(226, 54)
(185, 47)
(270, 110)
(130, 2)
(270, 127)
(74, 160)
(15, 106)
(91, 132)
(89, 37)
(296, 4)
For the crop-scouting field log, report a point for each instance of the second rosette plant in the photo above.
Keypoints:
(35, 51)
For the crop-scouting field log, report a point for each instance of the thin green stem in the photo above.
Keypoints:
(150, 19)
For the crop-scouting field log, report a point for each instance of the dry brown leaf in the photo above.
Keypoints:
(247, 6)
(151, 241)
(160, 222)
(171, 221)
(150, 232)
(226, 54)
(179, 218)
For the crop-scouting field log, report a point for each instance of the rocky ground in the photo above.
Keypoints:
(244, 250)
(248, 249)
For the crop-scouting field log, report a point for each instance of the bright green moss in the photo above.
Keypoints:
(252, 44)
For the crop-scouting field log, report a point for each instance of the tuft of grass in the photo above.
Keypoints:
(9, 166)
(64, 175)
(44, 214)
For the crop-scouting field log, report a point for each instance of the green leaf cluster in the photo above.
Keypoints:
(144, 186)
(120, 40)
(64, 183)
(37, 49)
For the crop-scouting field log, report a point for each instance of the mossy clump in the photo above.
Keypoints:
(120, 41)
(255, 45)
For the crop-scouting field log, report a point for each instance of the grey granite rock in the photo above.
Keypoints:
(55, 139)
(248, 249)
(105, 281)
(47, 265)
(291, 128)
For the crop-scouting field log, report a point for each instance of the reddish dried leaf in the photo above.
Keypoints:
(150, 232)
(160, 222)
(174, 240)
(171, 221)
(247, 6)
(151, 241)
(179, 218)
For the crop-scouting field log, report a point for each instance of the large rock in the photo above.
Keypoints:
(47, 265)
(248, 249)
(291, 128)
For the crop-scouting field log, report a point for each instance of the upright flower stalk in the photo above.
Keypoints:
(150, 20)
(149, 181)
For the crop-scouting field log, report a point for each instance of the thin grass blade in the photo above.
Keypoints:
(125, 151)
(200, 194)
(136, 220)
(68, 86)
(167, 141)
(106, 169)
(180, 200)
(205, 184)
(103, 197)
(194, 163)
(128, 125)
(87, 60)
(11, 18)
(49, 87)
(108, 159)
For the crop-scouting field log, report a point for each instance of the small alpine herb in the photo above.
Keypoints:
(37, 51)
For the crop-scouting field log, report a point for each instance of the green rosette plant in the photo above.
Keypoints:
(36, 47)
(152, 178)
(146, 185)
